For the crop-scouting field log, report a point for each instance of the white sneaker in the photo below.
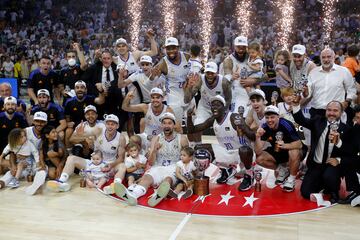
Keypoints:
(283, 173)
(355, 201)
(57, 186)
(14, 183)
(122, 192)
(39, 180)
(289, 185)
(108, 190)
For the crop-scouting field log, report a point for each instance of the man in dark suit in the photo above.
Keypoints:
(324, 158)
(350, 163)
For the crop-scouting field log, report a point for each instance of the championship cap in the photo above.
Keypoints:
(40, 116)
(90, 108)
(298, 49)
(156, 90)
(10, 99)
(211, 67)
(218, 98)
(241, 41)
(121, 41)
(146, 58)
(43, 91)
(171, 41)
(272, 109)
(168, 115)
(80, 83)
(111, 117)
(257, 92)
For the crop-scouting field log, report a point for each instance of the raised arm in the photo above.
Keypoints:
(200, 127)
(192, 87)
(133, 108)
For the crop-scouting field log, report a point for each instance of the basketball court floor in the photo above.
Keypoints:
(86, 213)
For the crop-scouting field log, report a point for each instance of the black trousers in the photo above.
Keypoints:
(349, 167)
(321, 176)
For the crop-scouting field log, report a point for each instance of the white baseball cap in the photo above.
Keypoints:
(272, 109)
(80, 83)
(120, 66)
(43, 91)
(10, 99)
(121, 41)
(168, 115)
(218, 98)
(298, 49)
(146, 58)
(241, 41)
(211, 67)
(90, 108)
(41, 116)
(156, 90)
(257, 92)
(171, 41)
(111, 117)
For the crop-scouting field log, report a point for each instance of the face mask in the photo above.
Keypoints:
(71, 62)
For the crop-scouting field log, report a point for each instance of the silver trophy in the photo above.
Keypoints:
(243, 73)
(334, 126)
(279, 137)
(239, 117)
(274, 97)
(202, 159)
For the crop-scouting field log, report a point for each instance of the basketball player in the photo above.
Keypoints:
(210, 84)
(174, 66)
(130, 59)
(234, 144)
(152, 111)
(163, 155)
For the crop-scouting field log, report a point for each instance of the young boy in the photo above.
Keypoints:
(135, 163)
(185, 171)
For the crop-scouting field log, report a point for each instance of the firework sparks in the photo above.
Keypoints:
(243, 16)
(134, 11)
(206, 23)
(286, 9)
(168, 12)
(328, 17)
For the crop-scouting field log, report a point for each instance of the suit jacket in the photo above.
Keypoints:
(317, 126)
(93, 75)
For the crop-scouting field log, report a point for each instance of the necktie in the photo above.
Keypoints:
(107, 75)
(326, 146)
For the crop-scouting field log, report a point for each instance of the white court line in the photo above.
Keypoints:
(180, 227)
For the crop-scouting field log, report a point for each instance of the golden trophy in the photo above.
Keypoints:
(202, 159)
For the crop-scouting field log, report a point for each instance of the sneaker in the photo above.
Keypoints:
(355, 201)
(57, 186)
(226, 174)
(283, 173)
(172, 194)
(122, 192)
(246, 183)
(187, 194)
(39, 180)
(349, 198)
(108, 190)
(14, 183)
(289, 185)
(161, 193)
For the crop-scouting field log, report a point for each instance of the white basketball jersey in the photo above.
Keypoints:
(175, 80)
(130, 63)
(31, 137)
(169, 153)
(227, 136)
(108, 147)
(195, 65)
(207, 93)
(152, 121)
(258, 121)
(240, 96)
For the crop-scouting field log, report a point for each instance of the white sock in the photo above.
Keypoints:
(64, 177)
(291, 177)
(138, 191)
(117, 180)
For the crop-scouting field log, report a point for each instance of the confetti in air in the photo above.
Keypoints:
(243, 16)
(168, 12)
(205, 9)
(328, 17)
(286, 9)
(134, 11)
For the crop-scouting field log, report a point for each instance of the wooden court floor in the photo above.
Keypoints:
(87, 214)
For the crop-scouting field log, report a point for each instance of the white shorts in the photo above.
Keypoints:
(225, 158)
(159, 173)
